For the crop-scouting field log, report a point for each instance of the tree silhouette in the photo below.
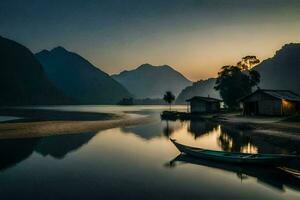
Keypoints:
(169, 97)
(248, 62)
(254, 77)
(233, 83)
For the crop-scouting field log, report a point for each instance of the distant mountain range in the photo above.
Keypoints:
(23, 80)
(62, 77)
(200, 88)
(79, 79)
(148, 81)
(282, 71)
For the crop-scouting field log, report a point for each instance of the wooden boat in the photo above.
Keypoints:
(235, 157)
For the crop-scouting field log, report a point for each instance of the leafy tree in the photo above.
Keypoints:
(233, 83)
(169, 97)
(248, 62)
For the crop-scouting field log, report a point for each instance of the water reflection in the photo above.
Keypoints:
(155, 129)
(60, 146)
(201, 128)
(126, 163)
(204, 134)
(14, 151)
(168, 130)
(274, 177)
(212, 135)
(234, 141)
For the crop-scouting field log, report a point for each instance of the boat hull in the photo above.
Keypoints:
(236, 158)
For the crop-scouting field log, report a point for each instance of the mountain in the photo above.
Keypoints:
(22, 78)
(148, 81)
(200, 88)
(282, 71)
(79, 79)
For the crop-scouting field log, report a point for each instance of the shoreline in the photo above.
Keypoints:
(39, 115)
(52, 122)
(262, 126)
(51, 128)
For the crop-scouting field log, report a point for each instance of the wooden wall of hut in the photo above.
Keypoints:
(289, 107)
(262, 104)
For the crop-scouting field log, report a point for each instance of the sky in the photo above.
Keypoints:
(195, 37)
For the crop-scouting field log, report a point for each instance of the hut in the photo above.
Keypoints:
(271, 102)
(200, 104)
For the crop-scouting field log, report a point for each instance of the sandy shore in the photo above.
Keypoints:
(50, 128)
(35, 115)
(41, 123)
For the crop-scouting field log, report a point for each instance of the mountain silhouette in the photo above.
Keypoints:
(59, 146)
(148, 81)
(200, 88)
(15, 151)
(79, 79)
(282, 71)
(22, 78)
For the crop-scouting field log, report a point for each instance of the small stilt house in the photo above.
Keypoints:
(200, 104)
(271, 102)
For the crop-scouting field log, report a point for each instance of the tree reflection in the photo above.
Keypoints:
(228, 139)
(234, 141)
(200, 128)
(168, 131)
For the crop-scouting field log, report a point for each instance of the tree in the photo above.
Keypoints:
(233, 83)
(169, 97)
(248, 62)
(254, 77)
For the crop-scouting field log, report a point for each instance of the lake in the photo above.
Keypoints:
(139, 162)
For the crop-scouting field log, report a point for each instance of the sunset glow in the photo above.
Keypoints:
(194, 37)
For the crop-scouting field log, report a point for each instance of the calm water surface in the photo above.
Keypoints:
(139, 162)
(7, 118)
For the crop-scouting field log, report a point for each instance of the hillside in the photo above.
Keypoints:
(22, 78)
(79, 79)
(282, 71)
(148, 81)
(200, 88)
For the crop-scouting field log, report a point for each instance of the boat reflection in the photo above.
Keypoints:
(271, 176)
